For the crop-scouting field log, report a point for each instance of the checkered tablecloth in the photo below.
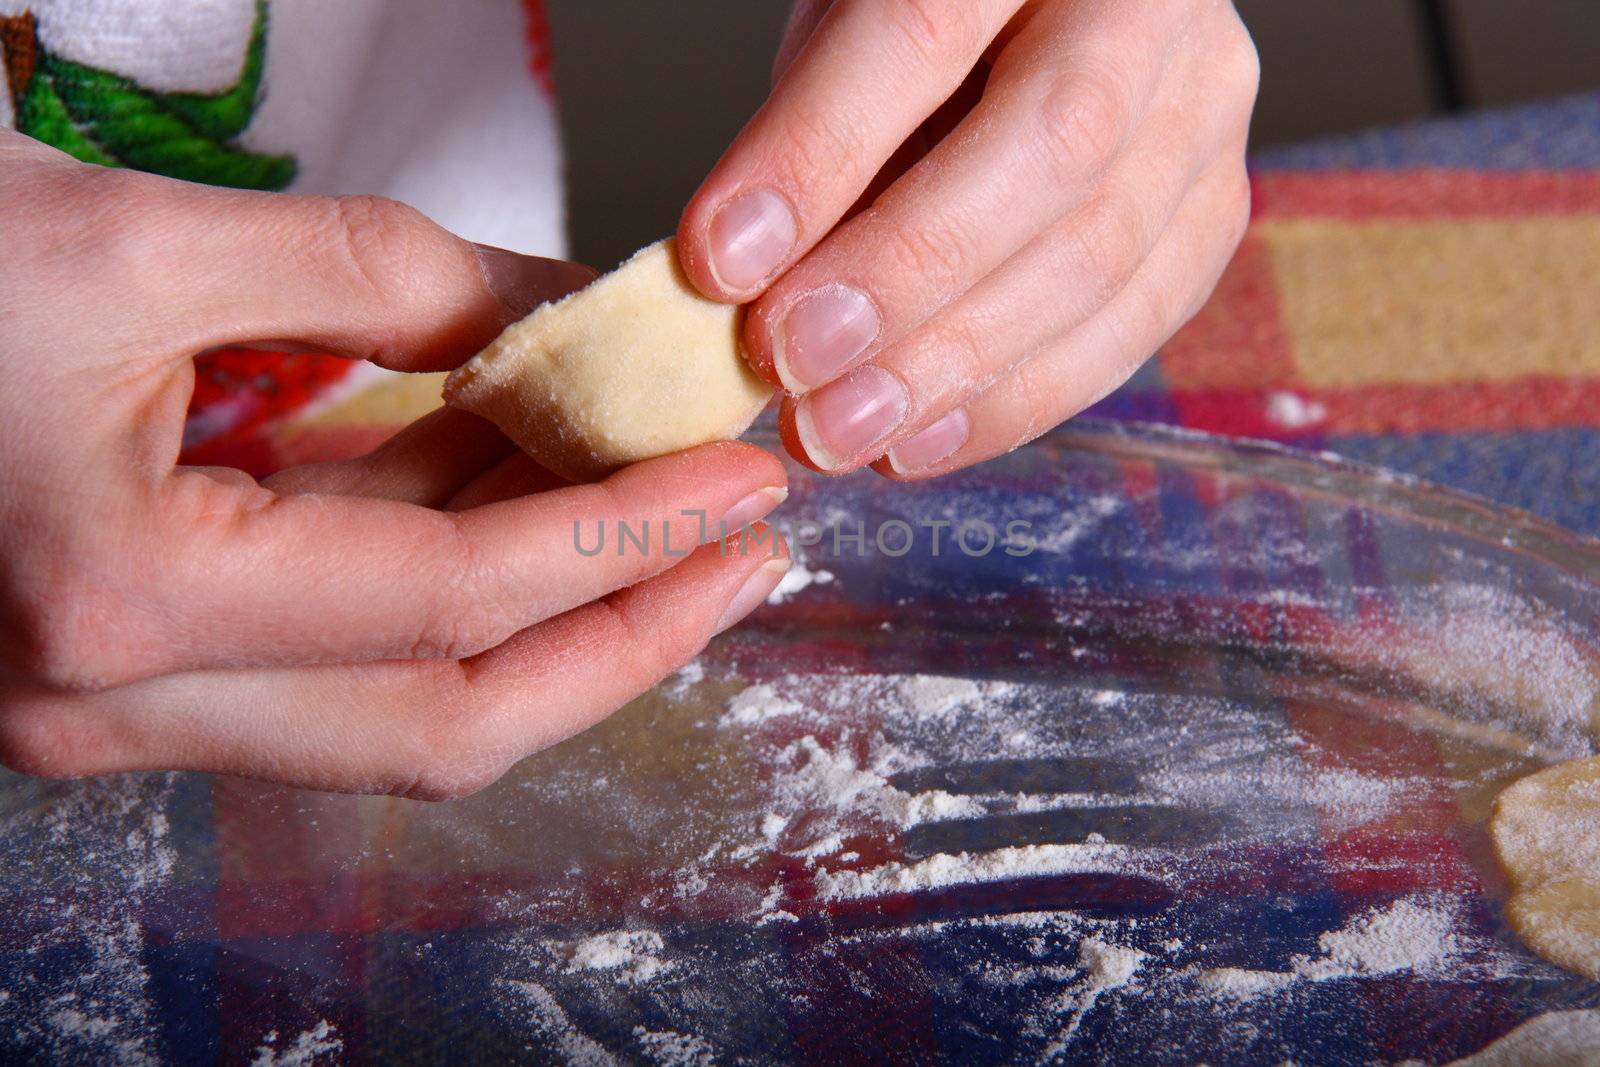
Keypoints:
(1425, 298)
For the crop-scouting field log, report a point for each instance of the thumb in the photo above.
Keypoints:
(521, 283)
(361, 277)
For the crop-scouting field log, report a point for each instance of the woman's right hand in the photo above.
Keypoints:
(410, 622)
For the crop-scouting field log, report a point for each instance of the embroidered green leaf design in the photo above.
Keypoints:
(42, 116)
(101, 117)
(224, 116)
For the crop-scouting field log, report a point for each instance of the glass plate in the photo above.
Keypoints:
(1134, 745)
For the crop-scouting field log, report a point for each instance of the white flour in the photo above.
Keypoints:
(1261, 777)
(832, 785)
(963, 868)
(112, 834)
(797, 580)
(1410, 935)
(531, 1005)
(1342, 796)
(1237, 983)
(630, 959)
(929, 694)
(668, 1048)
(854, 788)
(1518, 674)
(834, 779)
(780, 814)
(1106, 968)
(802, 802)
(1417, 935)
(302, 1051)
(1293, 411)
(1072, 527)
(687, 677)
(630, 953)
(756, 705)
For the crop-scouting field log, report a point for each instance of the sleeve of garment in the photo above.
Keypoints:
(446, 106)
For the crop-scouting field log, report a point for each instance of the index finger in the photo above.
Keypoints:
(869, 76)
(230, 576)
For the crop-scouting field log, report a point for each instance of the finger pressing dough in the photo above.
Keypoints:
(1546, 831)
(637, 365)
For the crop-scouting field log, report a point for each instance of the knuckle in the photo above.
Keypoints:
(1240, 210)
(469, 614)
(1246, 58)
(453, 750)
(83, 600)
(940, 254)
(958, 355)
(36, 741)
(380, 239)
(439, 784)
(65, 637)
(1148, 314)
(1041, 407)
(1109, 243)
(939, 33)
(457, 630)
(462, 630)
(818, 144)
(1082, 119)
(653, 648)
(443, 636)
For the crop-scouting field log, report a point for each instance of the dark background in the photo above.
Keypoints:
(652, 92)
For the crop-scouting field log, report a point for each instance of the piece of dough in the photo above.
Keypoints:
(1555, 1039)
(1546, 831)
(637, 365)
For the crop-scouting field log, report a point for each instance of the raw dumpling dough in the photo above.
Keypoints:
(1555, 1039)
(637, 365)
(1546, 831)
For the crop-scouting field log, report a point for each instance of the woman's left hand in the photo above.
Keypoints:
(961, 222)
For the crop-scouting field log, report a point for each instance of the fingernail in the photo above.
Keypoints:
(938, 442)
(521, 283)
(756, 506)
(750, 237)
(849, 416)
(823, 334)
(754, 592)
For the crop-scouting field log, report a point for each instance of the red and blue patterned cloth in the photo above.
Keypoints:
(1425, 298)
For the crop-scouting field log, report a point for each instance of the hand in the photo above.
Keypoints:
(963, 221)
(410, 622)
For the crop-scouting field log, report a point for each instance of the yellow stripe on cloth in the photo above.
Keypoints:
(350, 424)
(1435, 301)
(393, 400)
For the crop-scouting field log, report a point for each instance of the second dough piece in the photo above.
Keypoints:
(1546, 831)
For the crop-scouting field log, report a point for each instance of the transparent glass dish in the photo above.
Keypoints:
(1191, 763)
